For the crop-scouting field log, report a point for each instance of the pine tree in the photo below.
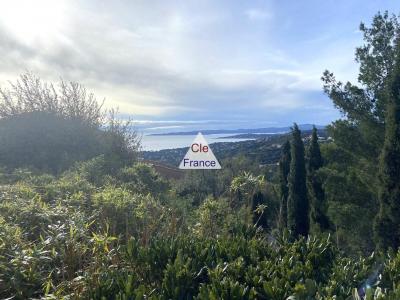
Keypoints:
(387, 223)
(284, 168)
(297, 210)
(318, 219)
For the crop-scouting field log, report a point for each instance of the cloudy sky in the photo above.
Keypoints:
(185, 64)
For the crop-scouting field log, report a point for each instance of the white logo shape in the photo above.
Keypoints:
(199, 155)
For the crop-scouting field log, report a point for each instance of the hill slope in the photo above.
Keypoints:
(265, 149)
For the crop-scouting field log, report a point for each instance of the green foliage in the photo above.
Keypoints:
(24, 144)
(142, 178)
(213, 217)
(179, 281)
(110, 228)
(364, 106)
(297, 211)
(284, 169)
(315, 160)
(359, 136)
(387, 225)
(121, 244)
(244, 186)
(318, 219)
(129, 214)
(258, 208)
(49, 129)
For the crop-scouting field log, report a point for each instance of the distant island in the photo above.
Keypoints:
(242, 133)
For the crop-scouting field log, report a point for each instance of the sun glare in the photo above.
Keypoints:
(32, 20)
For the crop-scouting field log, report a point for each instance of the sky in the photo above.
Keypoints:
(184, 65)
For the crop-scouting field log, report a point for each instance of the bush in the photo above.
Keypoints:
(49, 129)
(70, 237)
(143, 179)
(129, 214)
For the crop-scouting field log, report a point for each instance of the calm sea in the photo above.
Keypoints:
(159, 142)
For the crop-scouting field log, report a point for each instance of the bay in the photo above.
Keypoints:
(160, 142)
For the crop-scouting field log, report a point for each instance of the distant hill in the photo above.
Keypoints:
(268, 130)
(264, 150)
(249, 136)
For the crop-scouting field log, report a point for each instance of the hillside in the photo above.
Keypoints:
(293, 213)
(267, 130)
(264, 150)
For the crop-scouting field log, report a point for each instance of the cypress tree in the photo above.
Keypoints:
(318, 219)
(387, 222)
(284, 168)
(297, 209)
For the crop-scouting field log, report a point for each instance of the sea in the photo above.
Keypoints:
(160, 142)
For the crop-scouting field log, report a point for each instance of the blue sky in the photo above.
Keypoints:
(192, 64)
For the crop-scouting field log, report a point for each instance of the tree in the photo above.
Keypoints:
(351, 184)
(284, 168)
(387, 223)
(318, 218)
(297, 210)
(376, 58)
(361, 132)
(49, 127)
(43, 141)
(68, 100)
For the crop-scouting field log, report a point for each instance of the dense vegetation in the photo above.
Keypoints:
(132, 238)
(81, 217)
(49, 127)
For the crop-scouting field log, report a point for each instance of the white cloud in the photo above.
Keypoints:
(162, 60)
